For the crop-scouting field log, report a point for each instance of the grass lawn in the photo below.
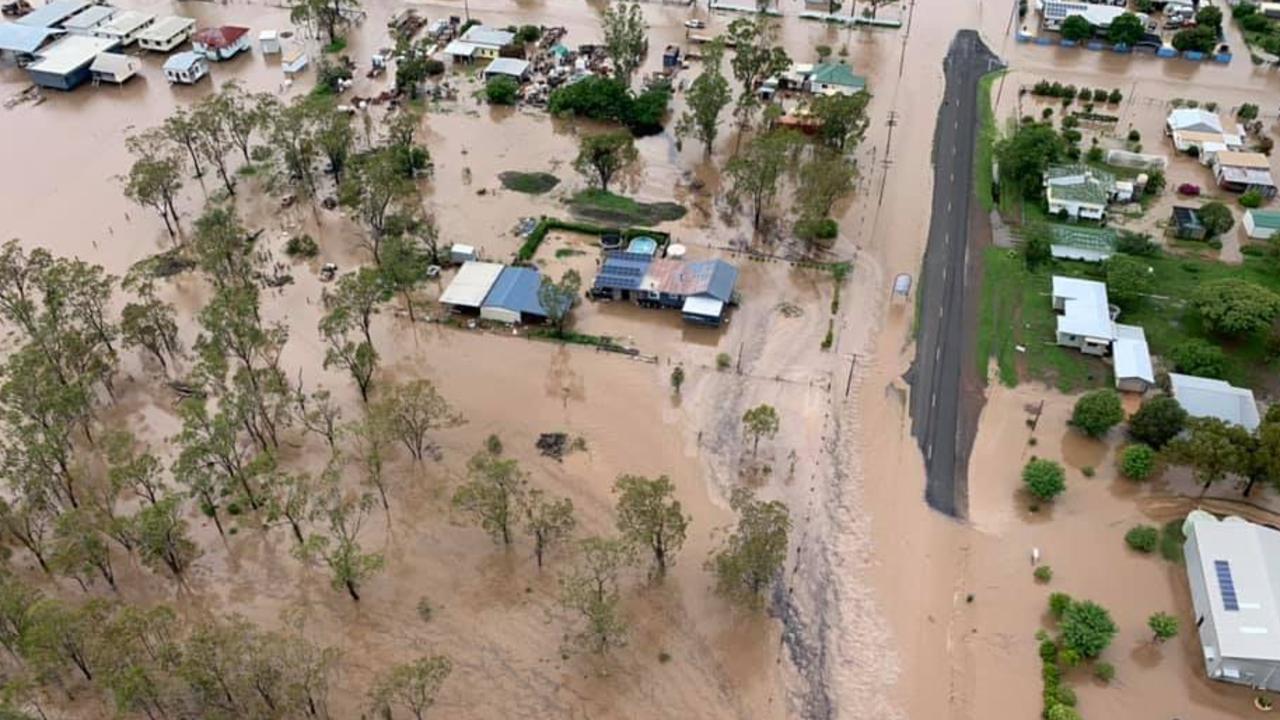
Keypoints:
(1016, 310)
(338, 45)
(986, 140)
(609, 208)
(531, 183)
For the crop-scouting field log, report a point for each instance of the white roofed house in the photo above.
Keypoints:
(166, 33)
(1206, 397)
(1233, 570)
(186, 68)
(125, 27)
(1244, 171)
(1193, 119)
(65, 64)
(115, 68)
(513, 68)
(1086, 322)
(479, 42)
(470, 287)
(84, 22)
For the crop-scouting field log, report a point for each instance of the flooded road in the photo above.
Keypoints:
(873, 622)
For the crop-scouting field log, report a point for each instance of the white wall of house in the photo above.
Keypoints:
(1089, 211)
(1085, 344)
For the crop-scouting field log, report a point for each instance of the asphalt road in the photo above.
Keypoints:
(948, 296)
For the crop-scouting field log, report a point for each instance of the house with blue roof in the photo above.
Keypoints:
(702, 290)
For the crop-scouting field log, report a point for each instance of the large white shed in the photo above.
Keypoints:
(471, 286)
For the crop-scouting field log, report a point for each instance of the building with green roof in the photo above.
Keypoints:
(832, 78)
(1262, 224)
(1079, 191)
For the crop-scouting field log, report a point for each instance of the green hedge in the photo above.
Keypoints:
(546, 225)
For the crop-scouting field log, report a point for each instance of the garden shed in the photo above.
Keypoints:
(1186, 224)
(1261, 224)
(514, 298)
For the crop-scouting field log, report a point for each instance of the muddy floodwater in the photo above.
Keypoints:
(872, 618)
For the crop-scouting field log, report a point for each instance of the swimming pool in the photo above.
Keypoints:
(643, 245)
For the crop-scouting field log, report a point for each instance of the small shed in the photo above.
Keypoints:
(125, 27)
(167, 33)
(84, 23)
(671, 57)
(509, 67)
(221, 43)
(269, 42)
(1132, 358)
(1261, 224)
(514, 297)
(114, 68)
(1186, 223)
(471, 286)
(460, 253)
(293, 59)
(186, 68)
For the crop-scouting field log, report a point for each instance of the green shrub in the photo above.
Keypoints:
(1158, 420)
(1048, 650)
(528, 33)
(1044, 478)
(1043, 573)
(1087, 628)
(1138, 462)
(1097, 412)
(1142, 538)
(1066, 696)
(432, 67)
(1087, 471)
(301, 246)
(723, 361)
(1134, 135)
(1095, 154)
(1104, 671)
(816, 229)
(1058, 604)
(501, 90)
(1199, 357)
(1115, 97)
(1251, 199)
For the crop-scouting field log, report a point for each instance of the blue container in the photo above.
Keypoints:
(1193, 55)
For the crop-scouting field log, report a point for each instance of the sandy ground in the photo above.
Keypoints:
(873, 622)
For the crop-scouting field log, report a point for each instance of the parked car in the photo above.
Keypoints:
(1189, 189)
(695, 24)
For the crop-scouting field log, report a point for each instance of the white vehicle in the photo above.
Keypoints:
(695, 24)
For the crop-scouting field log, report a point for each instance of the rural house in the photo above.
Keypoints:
(84, 23)
(166, 33)
(1244, 171)
(1055, 12)
(1086, 322)
(125, 27)
(1261, 224)
(1233, 570)
(471, 286)
(21, 43)
(112, 67)
(221, 43)
(1209, 398)
(479, 42)
(1078, 191)
(701, 290)
(1193, 120)
(513, 68)
(54, 14)
(835, 78)
(185, 68)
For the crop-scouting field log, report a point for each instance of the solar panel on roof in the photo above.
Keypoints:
(1226, 585)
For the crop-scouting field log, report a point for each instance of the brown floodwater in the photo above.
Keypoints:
(877, 623)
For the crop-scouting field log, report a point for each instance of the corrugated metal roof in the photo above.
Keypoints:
(166, 27)
(53, 13)
(1244, 159)
(1131, 354)
(1252, 554)
(508, 66)
(1206, 397)
(1085, 309)
(1268, 219)
(127, 22)
(709, 277)
(90, 18)
(489, 37)
(70, 53)
(220, 37)
(183, 61)
(24, 39)
(472, 284)
(517, 289)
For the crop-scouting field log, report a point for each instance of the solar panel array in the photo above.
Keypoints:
(1226, 585)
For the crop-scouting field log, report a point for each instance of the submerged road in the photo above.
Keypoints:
(945, 342)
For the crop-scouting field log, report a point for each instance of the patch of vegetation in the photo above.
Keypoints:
(531, 183)
(608, 207)
(600, 98)
(982, 168)
(723, 361)
(501, 90)
(301, 246)
(1142, 538)
(1043, 573)
(562, 253)
(1171, 541)
(335, 46)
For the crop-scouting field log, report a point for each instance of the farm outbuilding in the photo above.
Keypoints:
(111, 67)
(54, 14)
(514, 298)
(166, 33)
(64, 65)
(1261, 224)
(513, 68)
(1211, 398)
(471, 286)
(1233, 569)
(22, 42)
(84, 23)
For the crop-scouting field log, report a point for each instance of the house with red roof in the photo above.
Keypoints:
(221, 43)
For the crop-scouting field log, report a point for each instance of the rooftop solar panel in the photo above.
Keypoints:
(1226, 585)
